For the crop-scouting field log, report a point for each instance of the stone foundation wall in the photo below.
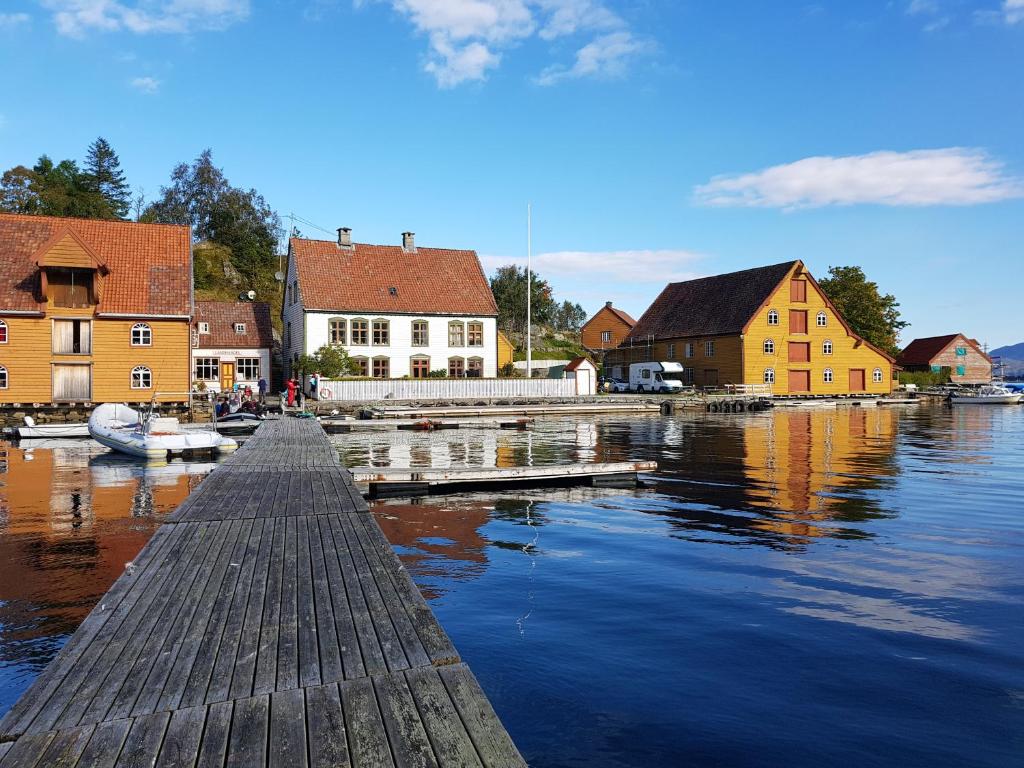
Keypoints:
(13, 415)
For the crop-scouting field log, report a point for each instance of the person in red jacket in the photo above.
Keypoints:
(292, 386)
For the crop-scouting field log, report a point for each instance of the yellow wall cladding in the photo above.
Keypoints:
(28, 355)
(847, 352)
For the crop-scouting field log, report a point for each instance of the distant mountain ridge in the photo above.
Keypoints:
(1012, 357)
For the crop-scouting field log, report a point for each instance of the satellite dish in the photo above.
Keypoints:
(279, 276)
(251, 295)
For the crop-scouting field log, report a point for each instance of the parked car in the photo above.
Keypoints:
(618, 385)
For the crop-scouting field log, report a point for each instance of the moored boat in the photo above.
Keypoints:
(989, 394)
(129, 431)
(32, 430)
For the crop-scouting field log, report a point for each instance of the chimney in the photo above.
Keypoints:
(409, 242)
(608, 304)
(344, 237)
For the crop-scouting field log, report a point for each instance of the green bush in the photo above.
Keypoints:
(926, 378)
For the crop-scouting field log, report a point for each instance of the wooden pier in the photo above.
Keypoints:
(268, 622)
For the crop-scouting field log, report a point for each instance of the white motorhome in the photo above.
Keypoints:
(656, 377)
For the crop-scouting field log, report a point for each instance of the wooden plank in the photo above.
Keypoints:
(66, 748)
(249, 642)
(105, 744)
(331, 668)
(325, 721)
(288, 730)
(247, 746)
(444, 727)
(309, 654)
(344, 623)
(492, 741)
(266, 660)
(27, 750)
(181, 741)
(143, 743)
(434, 476)
(406, 735)
(214, 746)
(366, 735)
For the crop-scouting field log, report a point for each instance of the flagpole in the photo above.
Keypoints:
(529, 290)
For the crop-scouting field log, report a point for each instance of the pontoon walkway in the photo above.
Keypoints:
(267, 623)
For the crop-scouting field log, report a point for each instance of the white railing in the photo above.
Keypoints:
(442, 389)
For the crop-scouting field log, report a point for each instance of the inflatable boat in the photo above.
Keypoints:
(150, 437)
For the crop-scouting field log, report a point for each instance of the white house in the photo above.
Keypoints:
(398, 310)
(231, 343)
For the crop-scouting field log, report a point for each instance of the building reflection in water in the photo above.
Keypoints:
(71, 516)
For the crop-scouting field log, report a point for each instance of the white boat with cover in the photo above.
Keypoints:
(989, 394)
(31, 429)
(151, 437)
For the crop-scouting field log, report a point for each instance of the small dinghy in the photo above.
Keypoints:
(31, 429)
(990, 394)
(129, 431)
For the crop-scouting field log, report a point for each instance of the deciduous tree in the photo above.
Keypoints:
(871, 314)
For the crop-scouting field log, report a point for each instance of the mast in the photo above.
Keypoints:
(529, 290)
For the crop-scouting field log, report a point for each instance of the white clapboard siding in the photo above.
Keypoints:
(423, 389)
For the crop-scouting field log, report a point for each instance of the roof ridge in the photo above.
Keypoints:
(787, 264)
(90, 220)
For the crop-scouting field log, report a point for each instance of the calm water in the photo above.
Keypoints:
(802, 587)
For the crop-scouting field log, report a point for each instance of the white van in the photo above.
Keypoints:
(656, 377)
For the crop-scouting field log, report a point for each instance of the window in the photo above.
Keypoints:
(773, 317)
(936, 369)
(295, 291)
(69, 287)
(827, 376)
(381, 368)
(475, 367)
(645, 373)
(420, 333)
(688, 349)
(207, 369)
(3, 377)
(826, 347)
(360, 366)
(822, 320)
(360, 330)
(671, 351)
(336, 328)
(381, 333)
(961, 370)
(876, 375)
(205, 327)
(709, 349)
(961, 351)
(456, 334)
(769, 375)
(247, 368)
(240, 328)
(72, 337)
(142, 335)
(3, 332)
(476, 334)
(769, 347)
(456, 367)
(687, 375)
(606, 336)
(142, 378)
(287, 334)
(420, 367)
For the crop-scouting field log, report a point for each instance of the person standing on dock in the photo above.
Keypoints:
(313, 381)
(291, 391)
(261, 385)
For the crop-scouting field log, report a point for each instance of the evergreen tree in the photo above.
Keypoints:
(105, 180)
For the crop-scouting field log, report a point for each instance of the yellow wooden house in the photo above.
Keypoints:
(769, 325)
(506, 350)
(93, 311)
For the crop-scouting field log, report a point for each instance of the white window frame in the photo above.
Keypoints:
(364, 332)
(205, 362)
(252, 364)
(768, 347)
(204, 327)
(474, 327)
(458, 339)
(380, 334)
(7, 332)
(769, 376)
(688, 349)
(773, 317)
(143, 376)
(145, 335)
(424, 341)
(671, 351)
(826, 347)
(878, 376)
(828, 376)
(4, 376)
(606, 336)
(822, 320)
(240, 329)
(709, 348)
(342, 324)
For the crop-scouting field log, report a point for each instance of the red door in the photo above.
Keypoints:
(799, 352)
(798, 321)
(799, 381)
(857, 380)
(798, 290)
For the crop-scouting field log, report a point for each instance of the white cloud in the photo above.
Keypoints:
(76, 17)
(606, 56)
(145, 84)
(658, 266)
(916, 7)
(1013, 11)
(953, 176)
(466, 37)
(11, 20)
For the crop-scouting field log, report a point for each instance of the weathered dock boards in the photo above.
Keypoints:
(267, 623)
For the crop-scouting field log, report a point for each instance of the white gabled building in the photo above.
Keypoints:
(398, 310)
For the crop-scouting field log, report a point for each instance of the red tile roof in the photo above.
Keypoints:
(222, 317)
(575, 363)
(150, 265)
(923, 351)
(436, 281)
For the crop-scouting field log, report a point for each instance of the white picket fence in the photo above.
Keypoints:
(444, 389)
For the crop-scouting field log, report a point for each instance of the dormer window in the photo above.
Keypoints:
(70, 288)
(240, 328)
(204, 327)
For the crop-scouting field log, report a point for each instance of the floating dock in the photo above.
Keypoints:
(383, 482)
(267, 622)
(344, 426)
(553, 409)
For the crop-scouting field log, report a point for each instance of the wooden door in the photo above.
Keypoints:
(798, 290)
(72, 382)
(711, 377)
(798, 321)
(857, 380)
(799, 352)
(799, 381)
(227, 376)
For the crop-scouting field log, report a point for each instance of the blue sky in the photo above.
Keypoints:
(656, 140)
